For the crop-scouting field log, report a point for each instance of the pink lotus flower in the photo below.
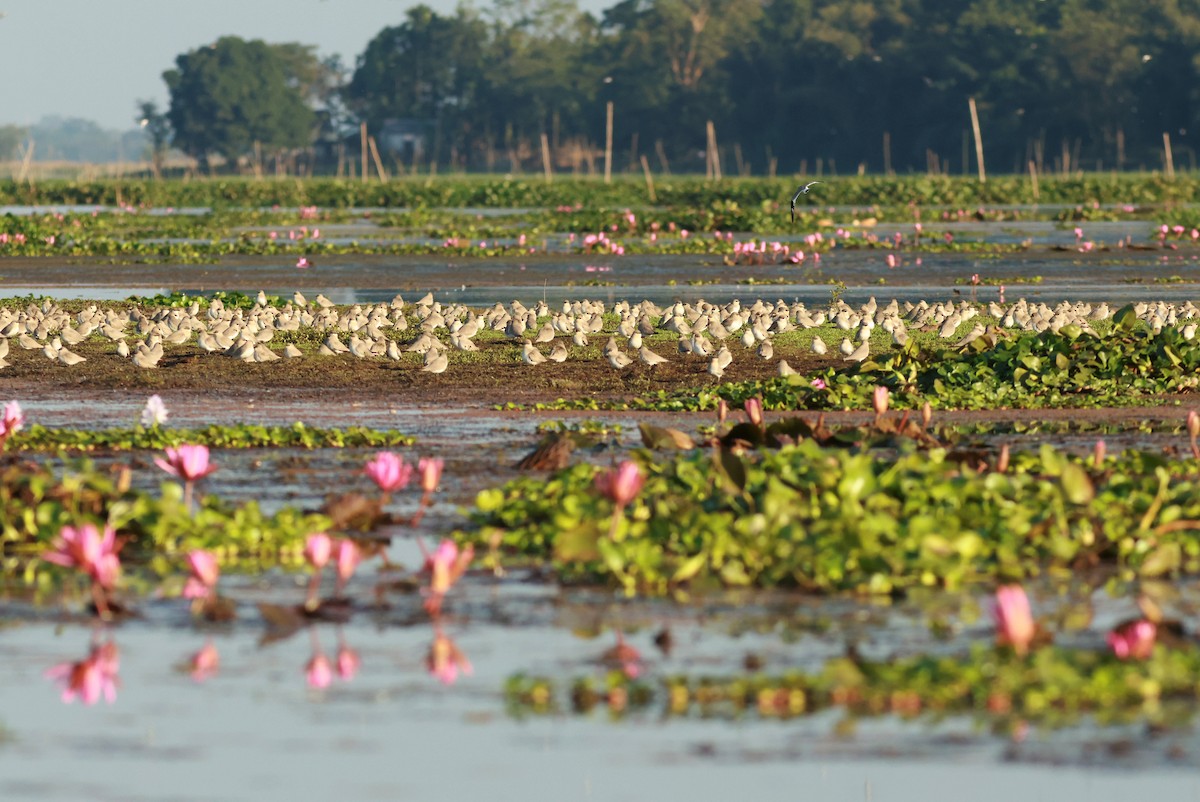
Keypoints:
(303, 262)
(205, 663)
(879, 400)
(891, 260)
(818, 384)
(86, 549)
(347, 556)
(318, 671)
(1014, 621)
(754, 411)
(188, 462)
(90, 679)
(430, 469)
(389, 471)
(621, 484)
(348, 662)
(1134, 640)
(446, 660)
(11, 420)
(445, 566)
(205, 572)
(318, 549)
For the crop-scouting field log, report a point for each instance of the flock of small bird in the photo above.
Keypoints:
(433, 330)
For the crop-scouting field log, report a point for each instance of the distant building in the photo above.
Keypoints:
(405, 139)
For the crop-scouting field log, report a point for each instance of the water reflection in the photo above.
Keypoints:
(91, 678)
(204, 664)
(445, 660)
(319, 671)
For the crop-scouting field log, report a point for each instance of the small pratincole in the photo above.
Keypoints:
(802, 191)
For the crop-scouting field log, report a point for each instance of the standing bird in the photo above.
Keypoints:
(802, 191)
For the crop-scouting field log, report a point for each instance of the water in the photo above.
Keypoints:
(256, 730)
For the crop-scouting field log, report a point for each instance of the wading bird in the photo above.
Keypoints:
(802, 191)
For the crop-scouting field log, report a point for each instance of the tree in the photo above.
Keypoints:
(158, 131)
(428, 67)
(10, 137)
(233, 93)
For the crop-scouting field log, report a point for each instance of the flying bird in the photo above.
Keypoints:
(802, 191)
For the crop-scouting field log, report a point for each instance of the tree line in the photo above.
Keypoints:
(823, 86)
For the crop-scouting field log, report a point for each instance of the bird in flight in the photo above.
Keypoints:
(802, 191)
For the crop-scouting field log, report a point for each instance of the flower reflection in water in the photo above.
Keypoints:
(320, 671)
(91, 678)
(205, 663)
(445, 660)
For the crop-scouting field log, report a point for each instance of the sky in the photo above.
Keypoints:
(96, 58)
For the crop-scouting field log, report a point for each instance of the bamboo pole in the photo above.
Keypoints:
(1033, 178)
(716, 156)
(1170, 161)
(608, 141)
(362, 131)
(26, 160)
(546, 158)
(661, 152)
(978, 139)
(649, 179)
(378, 161)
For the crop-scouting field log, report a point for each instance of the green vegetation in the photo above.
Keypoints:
(158, 529)
(40, 438)
(826, 520)
(1030, 370)
(1053, 687)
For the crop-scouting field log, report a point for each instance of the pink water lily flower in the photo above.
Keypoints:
(879, 400)
(90, 551)
(188, 462)
(1014, 620)
(445, 566)
(621, 484)
(347, 556)
(1133, 641)
(90, 679)
(318, 549)
(389, 471)
(205, 571)
(430, 469)
(11, 420)
(754, 411)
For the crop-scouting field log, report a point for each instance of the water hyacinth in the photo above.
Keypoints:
(155, 412)
(1014, 620)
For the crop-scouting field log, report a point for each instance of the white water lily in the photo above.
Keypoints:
(155, 413)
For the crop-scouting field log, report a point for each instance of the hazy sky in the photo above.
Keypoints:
(96, 58)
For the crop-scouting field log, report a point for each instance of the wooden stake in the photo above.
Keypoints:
(887, 152)
(1033, 178)
(608, 139)
(661, 152)
(362, 130)
(649, 179)
(1170, 162)
(716, 155)
(378, 161)
(546, 158)
(1120, 149)
(978, 139)
(742, 169)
